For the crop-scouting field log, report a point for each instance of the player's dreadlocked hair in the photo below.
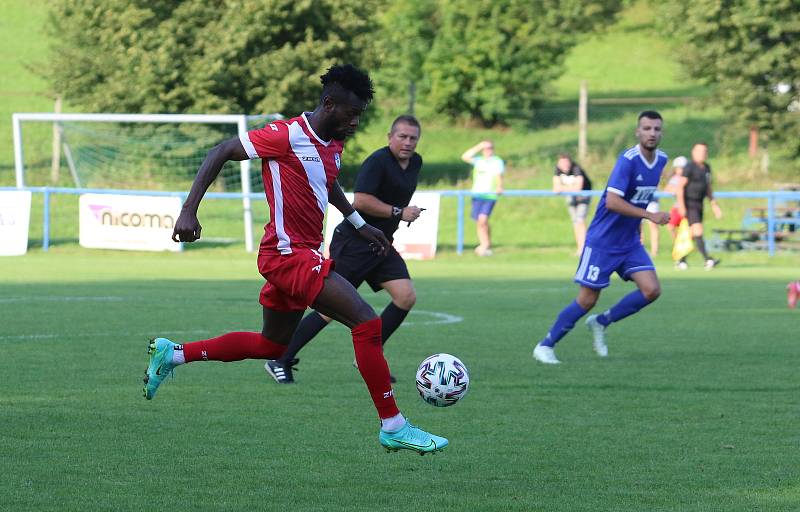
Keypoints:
(348, 78)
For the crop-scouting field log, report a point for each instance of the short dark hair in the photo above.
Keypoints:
(564, 155)
(346, 77)
(700, 143)
(407, 119)
(649, 114)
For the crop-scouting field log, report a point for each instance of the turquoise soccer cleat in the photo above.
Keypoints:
(412, 438)
(160, 350)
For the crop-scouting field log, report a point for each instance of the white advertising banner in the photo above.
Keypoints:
(414, 242)
(15, 217)
(137, 223)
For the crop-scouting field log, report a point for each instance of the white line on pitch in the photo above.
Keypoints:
(46, 336)
(57, 298)
(439, 318)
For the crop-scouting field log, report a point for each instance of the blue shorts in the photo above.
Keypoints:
(481, 206)
(597, 265)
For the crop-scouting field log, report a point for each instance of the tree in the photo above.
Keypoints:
(407, 32)
(749, 51)
(493, 58)
(209, 56)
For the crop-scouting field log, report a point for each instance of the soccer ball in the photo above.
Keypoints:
(442, 380)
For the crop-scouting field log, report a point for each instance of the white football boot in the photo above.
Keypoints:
(545, 354)
(599, 335)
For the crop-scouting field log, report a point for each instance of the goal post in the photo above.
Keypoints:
(239, 122)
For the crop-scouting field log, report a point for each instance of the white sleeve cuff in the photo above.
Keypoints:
(248, 146)
(616, 191)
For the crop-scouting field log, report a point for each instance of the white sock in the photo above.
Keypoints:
(393, 424)
(178, 357)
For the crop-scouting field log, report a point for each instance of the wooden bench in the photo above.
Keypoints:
(785, 217)
(752, 239)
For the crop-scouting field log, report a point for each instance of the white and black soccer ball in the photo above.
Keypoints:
(442, 380)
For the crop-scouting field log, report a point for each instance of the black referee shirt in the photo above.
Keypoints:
(698, 177)
(381, 176)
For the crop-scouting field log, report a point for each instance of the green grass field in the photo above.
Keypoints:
(695, 409)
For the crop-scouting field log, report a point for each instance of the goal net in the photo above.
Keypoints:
(159, 152)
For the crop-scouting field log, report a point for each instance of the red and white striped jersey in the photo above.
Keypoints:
(299, 169)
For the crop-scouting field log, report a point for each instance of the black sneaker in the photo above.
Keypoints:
(391, 377)
(280, 372)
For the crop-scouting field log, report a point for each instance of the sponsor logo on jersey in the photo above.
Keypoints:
(639, 178)
(643, 195)
(309, 158)
(338, 160)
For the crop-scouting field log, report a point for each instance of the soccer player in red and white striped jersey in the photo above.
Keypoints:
(300, 162)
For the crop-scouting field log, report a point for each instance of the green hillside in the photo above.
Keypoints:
(23, 50)
(632, 58)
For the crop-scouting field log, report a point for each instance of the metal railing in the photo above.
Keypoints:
(772, 197)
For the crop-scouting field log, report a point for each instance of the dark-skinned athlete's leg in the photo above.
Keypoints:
(402, 293)
(340, 301)
(270, 343)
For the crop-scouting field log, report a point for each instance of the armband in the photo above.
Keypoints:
(356, 220)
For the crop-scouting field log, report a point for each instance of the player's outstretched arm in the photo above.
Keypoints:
(187, 227)
(618, 204)
(371, 233)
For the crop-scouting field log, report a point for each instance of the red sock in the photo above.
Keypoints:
(373, 368)
(233, 346)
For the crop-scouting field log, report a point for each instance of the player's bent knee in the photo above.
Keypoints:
(364, 313)
(280, 336)
(406, 301)
(587, 301)
(652, 294)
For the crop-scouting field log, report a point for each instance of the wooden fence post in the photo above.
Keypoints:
(55, 164)
(583, 119)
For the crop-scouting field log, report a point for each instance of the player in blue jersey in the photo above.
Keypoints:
(613, 243)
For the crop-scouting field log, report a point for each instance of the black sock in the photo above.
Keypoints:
(701, 246)
(391, 317)
(309, 327)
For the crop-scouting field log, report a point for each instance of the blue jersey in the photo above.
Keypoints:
(635, 180)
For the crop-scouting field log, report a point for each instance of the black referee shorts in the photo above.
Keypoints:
(694, 212)
(355, 261)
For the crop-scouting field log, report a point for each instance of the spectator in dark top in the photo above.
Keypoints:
(695, 187)
(570, 177)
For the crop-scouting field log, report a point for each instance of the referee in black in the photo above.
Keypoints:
(384, 186)
(695, 186)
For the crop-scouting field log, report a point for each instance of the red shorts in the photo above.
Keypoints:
(674, 217)
(293, 280)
